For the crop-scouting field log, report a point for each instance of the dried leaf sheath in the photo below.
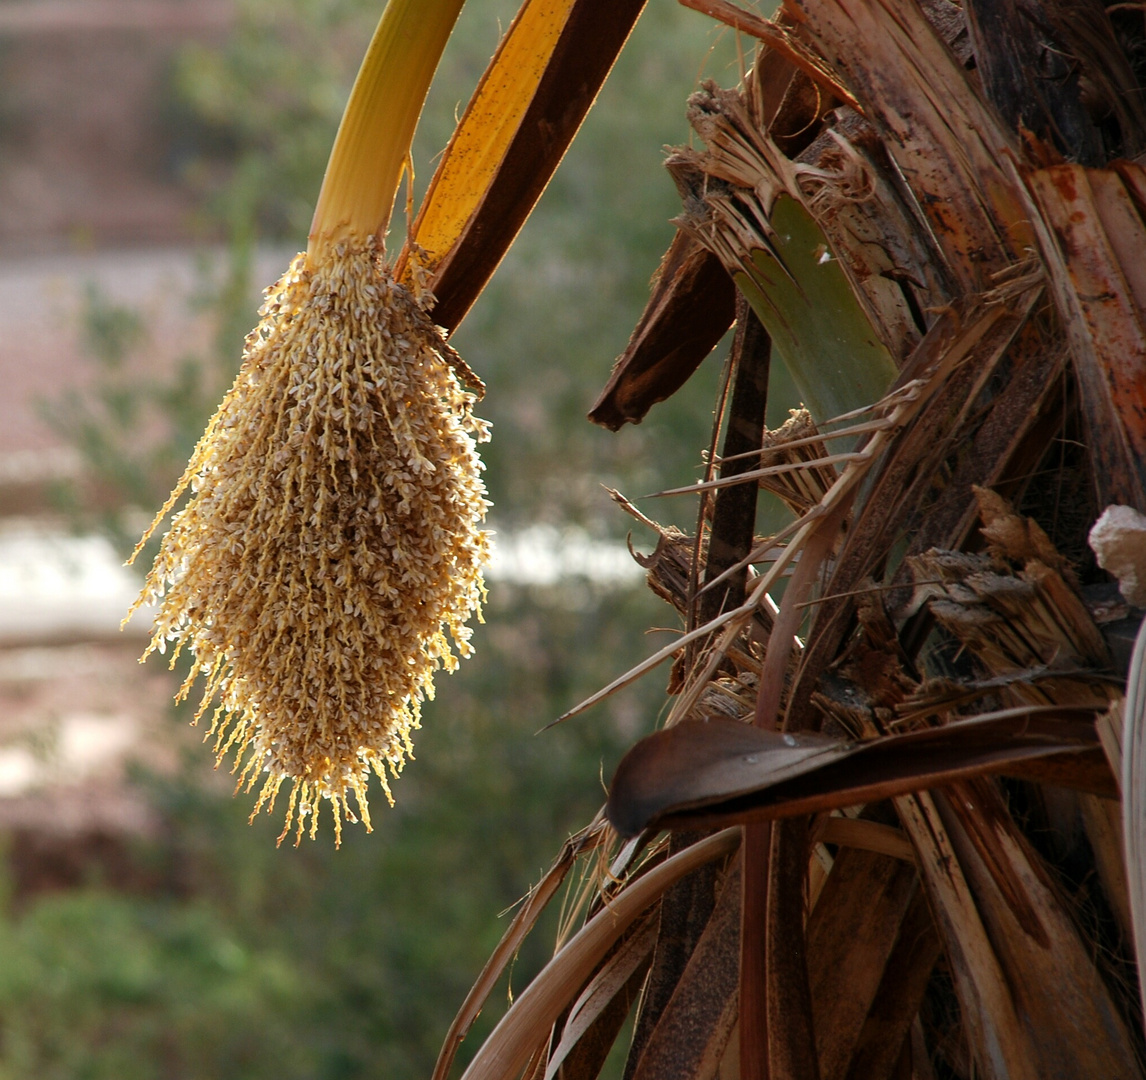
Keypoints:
(331, 540)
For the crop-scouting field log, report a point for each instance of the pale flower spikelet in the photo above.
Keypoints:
(331, 541)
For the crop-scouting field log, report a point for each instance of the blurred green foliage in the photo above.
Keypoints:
(134, 428)
(96, 985)
(248, 961)
(240, 960)
(264, 108)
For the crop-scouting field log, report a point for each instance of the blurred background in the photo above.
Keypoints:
(158, 165)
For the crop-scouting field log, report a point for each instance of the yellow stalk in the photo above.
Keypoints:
(377, 127)
(489, 125)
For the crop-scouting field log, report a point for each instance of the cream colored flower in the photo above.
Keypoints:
(331, 547)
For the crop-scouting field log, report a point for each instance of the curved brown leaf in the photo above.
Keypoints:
(724, 771)
(692, 305)
(693, 1029)
(597, 1015)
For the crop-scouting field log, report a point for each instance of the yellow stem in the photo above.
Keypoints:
(377, 127)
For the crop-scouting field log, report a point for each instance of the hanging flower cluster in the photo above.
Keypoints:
(332, 546)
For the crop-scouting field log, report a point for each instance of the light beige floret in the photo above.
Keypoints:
(331, 541)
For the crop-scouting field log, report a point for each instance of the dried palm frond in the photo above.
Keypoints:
(797, 440)
(894, 220)
(532, 1014)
